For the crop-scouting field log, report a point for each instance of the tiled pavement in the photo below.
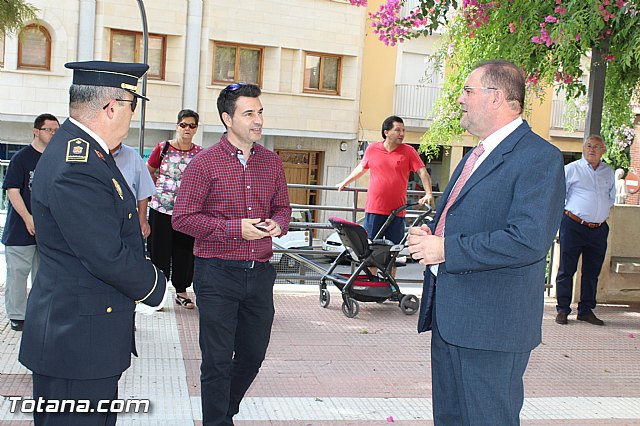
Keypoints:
(324, 369)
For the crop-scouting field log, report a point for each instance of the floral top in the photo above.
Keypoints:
(169, 174)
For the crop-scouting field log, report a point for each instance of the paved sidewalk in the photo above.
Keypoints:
(324, 369)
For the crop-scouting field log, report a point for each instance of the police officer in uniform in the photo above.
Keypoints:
(79, 324)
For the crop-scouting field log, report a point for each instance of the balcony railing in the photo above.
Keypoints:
(409, 6)
(415, 101)
(560, 119)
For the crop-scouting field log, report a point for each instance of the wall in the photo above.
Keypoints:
(624, 234)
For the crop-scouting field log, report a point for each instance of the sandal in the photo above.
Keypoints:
(185, 302)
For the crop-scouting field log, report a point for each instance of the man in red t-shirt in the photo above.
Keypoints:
(390, 162)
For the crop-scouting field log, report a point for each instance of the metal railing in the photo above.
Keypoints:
(559, 119)
(299, 266)
(416, 101)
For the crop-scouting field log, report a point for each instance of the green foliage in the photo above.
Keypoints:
(616, 114)
(14, 13)
(549, 39)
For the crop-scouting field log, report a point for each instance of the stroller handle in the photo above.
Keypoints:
(395, 212)
(408, 205)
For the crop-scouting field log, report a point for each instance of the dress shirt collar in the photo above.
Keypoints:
(117, 151)
(585, 163)
(494, 139)
(91, 133)
(231, 148)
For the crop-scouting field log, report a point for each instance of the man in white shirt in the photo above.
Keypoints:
(583, 231)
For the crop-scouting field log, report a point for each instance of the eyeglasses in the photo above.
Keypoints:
(594, 147)
(49, 130)
(189, 125)
(134, 103)
(468, 89)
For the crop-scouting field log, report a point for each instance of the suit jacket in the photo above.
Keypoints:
(490, 289)
(79, 321)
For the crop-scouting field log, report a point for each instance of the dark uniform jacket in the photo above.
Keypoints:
(79, 322)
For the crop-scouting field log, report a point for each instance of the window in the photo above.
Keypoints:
(237, 64)
(322, 73)
(127, 46)
(1, 50)
(34, 48)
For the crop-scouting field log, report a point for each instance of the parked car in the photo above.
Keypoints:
(295, 238)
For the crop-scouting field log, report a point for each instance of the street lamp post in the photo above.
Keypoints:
(145, 59)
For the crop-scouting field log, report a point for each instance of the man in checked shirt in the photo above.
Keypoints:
(233, 199)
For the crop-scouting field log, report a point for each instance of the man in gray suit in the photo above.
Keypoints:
(483, 292)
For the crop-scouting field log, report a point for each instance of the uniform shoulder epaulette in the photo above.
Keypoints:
(77, 151)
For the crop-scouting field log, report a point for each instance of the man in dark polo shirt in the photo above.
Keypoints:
(233, 199)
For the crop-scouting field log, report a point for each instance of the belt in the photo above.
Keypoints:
(582, 222)
(240, 264)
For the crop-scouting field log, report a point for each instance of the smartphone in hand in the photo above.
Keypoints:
(261, 226)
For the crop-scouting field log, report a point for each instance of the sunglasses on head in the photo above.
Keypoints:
(235, 86)
(189, 125)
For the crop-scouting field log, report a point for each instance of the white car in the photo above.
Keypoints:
(295, 238)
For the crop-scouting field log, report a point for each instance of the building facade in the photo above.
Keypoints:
(401, 80)
(306, 55)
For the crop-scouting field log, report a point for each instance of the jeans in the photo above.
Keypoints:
(236, 314)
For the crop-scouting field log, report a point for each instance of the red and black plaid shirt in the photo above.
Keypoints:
(217, 191)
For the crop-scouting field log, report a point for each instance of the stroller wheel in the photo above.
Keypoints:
(325, 297)
(409, 304)
(351, 309)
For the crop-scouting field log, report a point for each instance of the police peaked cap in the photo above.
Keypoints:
(123, 75)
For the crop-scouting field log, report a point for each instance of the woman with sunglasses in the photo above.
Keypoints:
(172, 251)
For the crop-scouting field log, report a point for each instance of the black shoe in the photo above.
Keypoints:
(561, 318)
(17, 325)
(591, 318)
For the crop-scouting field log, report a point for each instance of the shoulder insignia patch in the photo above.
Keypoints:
(99, 154)
(77, 151)
(117, 185)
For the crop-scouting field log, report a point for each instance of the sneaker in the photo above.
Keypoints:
(591, 318)
(561, 318)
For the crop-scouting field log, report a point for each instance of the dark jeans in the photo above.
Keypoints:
(171, 251)
(576, 240)
(236, 314)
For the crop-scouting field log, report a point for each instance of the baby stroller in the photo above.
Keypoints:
(362, 285)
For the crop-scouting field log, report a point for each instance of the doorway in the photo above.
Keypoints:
(302, 167)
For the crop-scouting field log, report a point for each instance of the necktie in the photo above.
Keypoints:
(464, 176)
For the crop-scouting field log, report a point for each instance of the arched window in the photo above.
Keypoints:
(34, 48)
